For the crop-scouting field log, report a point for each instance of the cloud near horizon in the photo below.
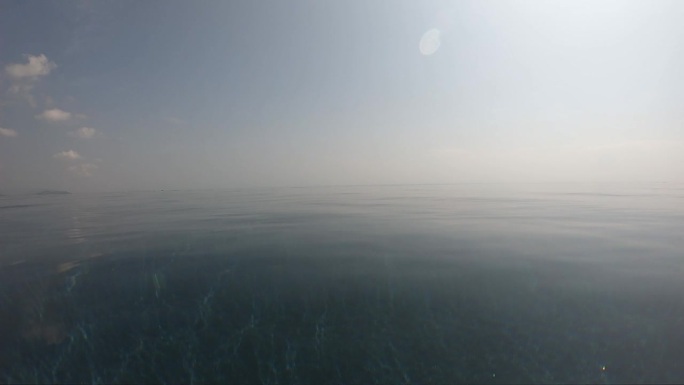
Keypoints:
(7, 132)
(174, 120)
(83, 133)
(36, 66)
(83, 170)
(23, 90)
(67, 155)
(54, 115)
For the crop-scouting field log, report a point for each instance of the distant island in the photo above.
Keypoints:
(33, 192)
(52, 192)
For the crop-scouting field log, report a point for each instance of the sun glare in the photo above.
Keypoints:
(430, 42)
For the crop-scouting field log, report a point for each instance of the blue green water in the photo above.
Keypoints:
(388, 284)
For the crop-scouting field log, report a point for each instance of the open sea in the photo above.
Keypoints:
(563, 283)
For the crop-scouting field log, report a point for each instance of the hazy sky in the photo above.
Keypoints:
(125, 95)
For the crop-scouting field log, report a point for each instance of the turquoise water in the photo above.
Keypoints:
(388, 284)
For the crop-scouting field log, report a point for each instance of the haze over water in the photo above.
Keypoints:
(421, 283)
(505, 200)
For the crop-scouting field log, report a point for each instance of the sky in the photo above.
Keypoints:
(138, 95)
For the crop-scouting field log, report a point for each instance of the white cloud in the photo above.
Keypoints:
(83, 133)
(36, 66)
(54, 115)
(23, 90)
(83, 169)
(7, 132)
(68, 155)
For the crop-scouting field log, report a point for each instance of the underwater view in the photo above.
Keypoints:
(384, 284)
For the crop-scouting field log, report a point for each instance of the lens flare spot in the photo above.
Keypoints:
(430, 42)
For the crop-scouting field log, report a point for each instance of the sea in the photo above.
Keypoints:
(466, 283)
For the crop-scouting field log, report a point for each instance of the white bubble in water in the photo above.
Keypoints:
(430, 42)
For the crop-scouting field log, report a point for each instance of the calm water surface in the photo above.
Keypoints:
(393, 284)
